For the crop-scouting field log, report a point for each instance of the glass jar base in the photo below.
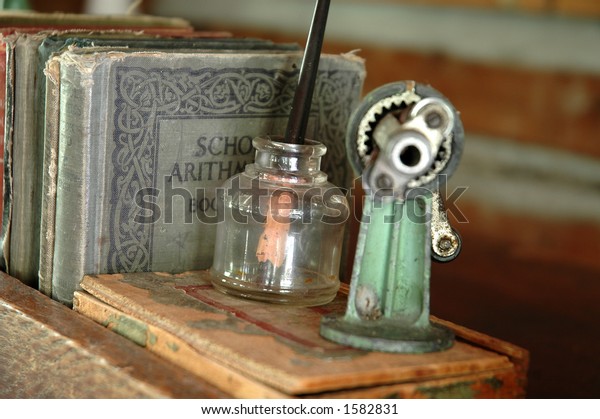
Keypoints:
(307, 297)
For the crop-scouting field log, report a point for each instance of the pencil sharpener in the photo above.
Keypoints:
(404, 140)
(282, 228)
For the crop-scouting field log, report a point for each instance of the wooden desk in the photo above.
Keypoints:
(47, 350)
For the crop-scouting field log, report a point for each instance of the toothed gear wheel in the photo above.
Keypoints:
(394, 97)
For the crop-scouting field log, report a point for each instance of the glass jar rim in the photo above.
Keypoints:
(277, 145)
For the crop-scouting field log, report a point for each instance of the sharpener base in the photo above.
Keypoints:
(386, 335)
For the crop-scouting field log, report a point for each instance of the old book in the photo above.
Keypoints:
(31, 23)
(262, 350)
(146, 137)
(22, 157)
(46, 135)
(23, 154)
(49, 351)
(23, 147)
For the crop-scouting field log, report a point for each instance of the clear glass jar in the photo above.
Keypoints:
(280, 235)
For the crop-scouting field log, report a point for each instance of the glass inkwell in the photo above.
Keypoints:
(283, 228)
(280, 235)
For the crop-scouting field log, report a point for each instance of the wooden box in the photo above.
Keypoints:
(256, 350)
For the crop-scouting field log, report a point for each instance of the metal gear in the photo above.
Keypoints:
(400, 97)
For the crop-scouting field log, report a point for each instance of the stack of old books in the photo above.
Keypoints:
(118, 130)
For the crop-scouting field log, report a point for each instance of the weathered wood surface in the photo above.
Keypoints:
(490, 384)
(486, 385)
(274, 346)
(49, 351)
(171, 347)
(517, 355)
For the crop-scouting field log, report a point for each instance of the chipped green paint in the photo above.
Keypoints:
(388, 303)
(494, 382)
(462, 390)
(127, 327)
(152, 338)
(173, 346)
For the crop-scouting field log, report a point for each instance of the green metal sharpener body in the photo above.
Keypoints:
(415, 132)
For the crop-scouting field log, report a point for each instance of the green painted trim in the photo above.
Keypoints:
(494, 382)
(462, 390)
(133, 330)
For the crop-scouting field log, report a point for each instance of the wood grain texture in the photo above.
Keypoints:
(276, 346)
(49, 351)
(171, 347)
(487, 385)
(517, 355)
(490, 384)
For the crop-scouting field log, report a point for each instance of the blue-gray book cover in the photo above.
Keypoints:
(145, 138)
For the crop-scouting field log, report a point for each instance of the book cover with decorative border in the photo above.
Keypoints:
(146, 138)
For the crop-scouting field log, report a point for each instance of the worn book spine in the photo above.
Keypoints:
(7, 153)
(145, 138)
(6, 99)
(26, 170)
(2, 115)
(78, 118)
(7, 92)
(50, 170)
